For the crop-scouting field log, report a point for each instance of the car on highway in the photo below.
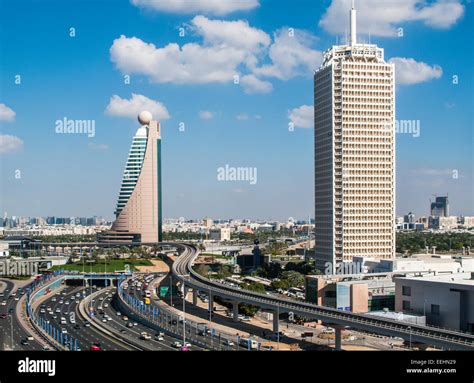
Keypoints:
(30, 337)
(42, 311)
(63, 320)
(145, 336)
(135, 323)
(123, 331)
(87, 324)
(125, 318)
(77, 326)
(58, 310)
(64, 330)
(177, 344)
(61, 302)
(66, 303)
(3, 316)
(95, 347)
(24, 342)
(184, 349)
(129, 324)
(53, 299)
(229, 343)
(119, 313)
(4, 302)
(106, 305)
(159, 338)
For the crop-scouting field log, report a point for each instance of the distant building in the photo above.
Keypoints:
(446, 300)
(443, 222)
(219, 234)
(467, 222)
(409, 218)
(4, 249)
(207, 222)
(440, 208)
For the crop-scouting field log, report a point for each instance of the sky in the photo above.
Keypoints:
(231, 83)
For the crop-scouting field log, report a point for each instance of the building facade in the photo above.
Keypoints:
(139, 211)
(440, 207)
(446, 300)
(354, 140)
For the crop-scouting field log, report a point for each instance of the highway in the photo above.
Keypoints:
(86, 336)
(447, 339)
(6, 328)
(119, 326)
(173, 323)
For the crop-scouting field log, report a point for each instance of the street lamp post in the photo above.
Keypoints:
(409, 328)
(171, 290)
(11, 331)
(184, 315)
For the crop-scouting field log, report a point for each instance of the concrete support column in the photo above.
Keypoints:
(338, 338)
(235, 311)
(195, 297)
(276, 322)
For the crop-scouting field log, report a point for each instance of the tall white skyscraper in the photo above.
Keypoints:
(354, 141)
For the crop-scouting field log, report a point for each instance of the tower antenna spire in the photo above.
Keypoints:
(353, 24)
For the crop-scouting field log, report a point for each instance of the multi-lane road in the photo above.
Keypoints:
(10, 326)
(62, 304)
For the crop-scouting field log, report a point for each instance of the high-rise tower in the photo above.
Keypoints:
(354, 111)
(139, 211)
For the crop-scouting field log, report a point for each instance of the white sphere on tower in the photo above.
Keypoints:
(145, 117)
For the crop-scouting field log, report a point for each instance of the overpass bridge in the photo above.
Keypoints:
(442, 338)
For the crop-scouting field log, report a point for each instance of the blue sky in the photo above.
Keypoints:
(190, 80)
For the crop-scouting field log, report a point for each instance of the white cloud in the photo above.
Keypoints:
(121, 107)
(291, 55)
(252, 84)
(215, 7)
(6, 114)
(384, 17)
(228, 48)
(409, 71)
(302, 117)
(206, 115)
(242, 117)
(189, 64)
(237, 34)
(9, 144)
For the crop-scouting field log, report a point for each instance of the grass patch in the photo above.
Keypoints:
(100, 267)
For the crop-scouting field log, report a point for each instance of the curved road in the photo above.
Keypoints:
(183, 270)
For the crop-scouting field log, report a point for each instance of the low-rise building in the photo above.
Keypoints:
(445, 300)
(358, 296)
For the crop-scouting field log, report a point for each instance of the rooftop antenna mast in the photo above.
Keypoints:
(353, 25)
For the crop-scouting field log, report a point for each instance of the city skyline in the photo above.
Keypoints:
(254, 115)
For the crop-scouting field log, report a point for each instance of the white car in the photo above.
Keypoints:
(119, 313)
(64, 330)
(106, 305)
(177, 344)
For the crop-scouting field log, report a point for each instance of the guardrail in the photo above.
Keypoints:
(83, 313)
(172, 324)
(48, 331)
